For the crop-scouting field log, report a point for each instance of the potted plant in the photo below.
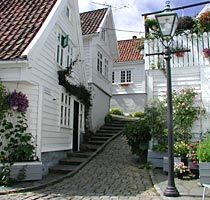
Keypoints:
(203, 152)
(156, 117)
(193, 158)
(138, 136)
(17, 155)
(180, 170)
(177, 50)
(181, 150)
(206, 53)
(204, 21)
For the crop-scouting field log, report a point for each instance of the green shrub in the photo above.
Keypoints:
(138, 114)
(203, 150)
(116, 111)
(108, 118)
(138, 135)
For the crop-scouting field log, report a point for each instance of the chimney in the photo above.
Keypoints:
(134, 37)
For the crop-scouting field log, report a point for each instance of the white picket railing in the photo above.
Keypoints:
(194, 43)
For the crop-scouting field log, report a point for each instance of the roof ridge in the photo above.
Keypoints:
(94, 10)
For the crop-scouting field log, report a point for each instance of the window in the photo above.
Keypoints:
(122, 76)
(59, 50)
(68, 12)
(129, 76)
(65, 109)
(99, 62)
(103, 35)
(113, 77)
(106, 63)
(69, 55)
(126, 76)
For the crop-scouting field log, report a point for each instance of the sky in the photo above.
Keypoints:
(127, 14)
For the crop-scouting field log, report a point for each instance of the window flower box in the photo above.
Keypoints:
(179, 54)
(124, 84)
(31, 170)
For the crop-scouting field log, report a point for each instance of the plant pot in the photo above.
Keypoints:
(184, 160)
(179, 54)
(179, 175)
(156, 158)
(206, 55)
(32, 170)
(165, 162)
(204, 172)
(194, 168)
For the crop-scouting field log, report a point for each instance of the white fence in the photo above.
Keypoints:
(190, 71)
(194, 43)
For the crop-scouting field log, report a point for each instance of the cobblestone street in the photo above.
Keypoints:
(112, 174)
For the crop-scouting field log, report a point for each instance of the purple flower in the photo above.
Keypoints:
(19, 100)
(206, 51)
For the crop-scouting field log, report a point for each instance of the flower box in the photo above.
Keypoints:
(156, 158)
(124, 84)
(179, 54)
(33, 170)
(204, 172)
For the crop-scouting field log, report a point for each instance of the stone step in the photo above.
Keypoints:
(62, 169)
(111, 128)
(89, 147)
(72, 161)
(104, 134)
(101, 131)
(81, 154)
(96, 142)
(100, 137)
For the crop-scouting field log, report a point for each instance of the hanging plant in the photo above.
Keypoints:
(79, 91)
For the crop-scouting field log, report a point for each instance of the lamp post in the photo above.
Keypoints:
(168, 22)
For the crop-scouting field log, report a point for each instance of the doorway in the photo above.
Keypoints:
(76, 126)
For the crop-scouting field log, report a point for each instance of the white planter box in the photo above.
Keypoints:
(156, 158)
(165, 162)
(33, 170)
(204, 172)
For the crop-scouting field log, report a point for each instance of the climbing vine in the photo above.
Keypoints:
(79, 91)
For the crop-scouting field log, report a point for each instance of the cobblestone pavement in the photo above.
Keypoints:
(111, 175)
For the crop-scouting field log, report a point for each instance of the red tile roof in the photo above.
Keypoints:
(91, 21)
(129, 50)
(20, 20)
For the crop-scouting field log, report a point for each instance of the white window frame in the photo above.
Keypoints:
(69, 12)
(126, 76)
(100, 62)
(65, 110)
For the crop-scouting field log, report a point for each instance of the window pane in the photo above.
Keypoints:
(129, 76)
(58, 53)
(113, 77)
(61, 115)
(122, 76)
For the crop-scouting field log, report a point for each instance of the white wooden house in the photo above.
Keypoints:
(32, 50)
(128, 77)
(100, 50)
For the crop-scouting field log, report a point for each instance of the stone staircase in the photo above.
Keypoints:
(102, 136)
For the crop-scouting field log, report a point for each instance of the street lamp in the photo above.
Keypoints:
(168, 22)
